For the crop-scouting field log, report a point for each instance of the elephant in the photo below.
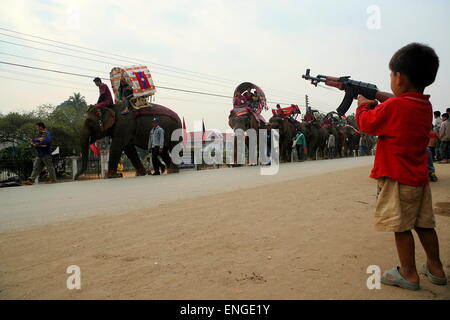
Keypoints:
(287, 131)
(316, 138)
(244, 122)
(351, 140)
(127, 132)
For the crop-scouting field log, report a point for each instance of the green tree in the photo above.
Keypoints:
(64, 121)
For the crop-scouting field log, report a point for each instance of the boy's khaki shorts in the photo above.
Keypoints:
(401, 207)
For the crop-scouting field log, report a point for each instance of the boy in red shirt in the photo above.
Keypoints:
(404, 196)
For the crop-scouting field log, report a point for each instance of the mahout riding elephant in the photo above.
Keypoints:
(246, 114)
(287, 131)
(128, 132)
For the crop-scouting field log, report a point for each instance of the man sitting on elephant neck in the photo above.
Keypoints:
(280, 112)
(105, 99)
(156, 145)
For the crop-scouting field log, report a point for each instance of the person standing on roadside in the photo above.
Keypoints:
(444, 135)
(44, 155)
(156, 145)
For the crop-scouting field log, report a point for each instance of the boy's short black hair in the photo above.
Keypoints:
(448, 110)
(437, 113)
(418, 62)
(445, 115)
(40, 124)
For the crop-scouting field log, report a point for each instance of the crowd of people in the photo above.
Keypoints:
(440, 137)
(439, 144)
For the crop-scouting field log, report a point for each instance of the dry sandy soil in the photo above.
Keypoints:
(307, 238)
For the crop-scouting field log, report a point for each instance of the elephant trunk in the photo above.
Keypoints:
(84, 141)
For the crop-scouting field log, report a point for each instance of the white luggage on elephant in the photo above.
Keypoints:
(139, 79)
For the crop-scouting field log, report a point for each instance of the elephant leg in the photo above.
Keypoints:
(312, 152)
(115, 152)
(283, 152)
(168, 161)
(132, 154)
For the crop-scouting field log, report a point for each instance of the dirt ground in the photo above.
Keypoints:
(308, 238)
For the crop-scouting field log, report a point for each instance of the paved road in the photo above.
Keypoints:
(29, 206)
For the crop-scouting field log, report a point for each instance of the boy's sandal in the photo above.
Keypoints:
(433, 279)
(396, 279)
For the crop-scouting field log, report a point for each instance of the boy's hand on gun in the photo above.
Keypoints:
(364, 101)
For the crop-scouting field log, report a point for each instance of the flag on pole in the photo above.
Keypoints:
(185, 136)
(142, 80)
(203, 132)
(95, 148)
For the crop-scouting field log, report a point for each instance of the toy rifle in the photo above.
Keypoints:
(352, 89)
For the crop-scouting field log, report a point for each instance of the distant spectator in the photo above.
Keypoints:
(363, 144)
(444, 135)
(433, 143)
(431, 154)
(331, 145)
(44, 154)
(437, 121)
(300, 144)
(156, 146)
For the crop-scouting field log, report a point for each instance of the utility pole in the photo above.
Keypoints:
(307, 103)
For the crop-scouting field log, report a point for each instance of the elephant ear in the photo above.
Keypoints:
(109, 118)
(92, 113)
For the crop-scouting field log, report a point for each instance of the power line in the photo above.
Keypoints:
(37, 82)
(51, 62)
(111, 63)
(90, 76)
(80, 85)
(77, 67)
(89, 59)
(111, 54)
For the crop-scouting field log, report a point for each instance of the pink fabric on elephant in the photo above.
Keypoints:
(157, 110)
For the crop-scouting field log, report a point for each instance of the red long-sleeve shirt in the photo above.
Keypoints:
(402, 125)
(105, 99)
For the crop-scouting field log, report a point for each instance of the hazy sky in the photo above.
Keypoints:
(213, 45)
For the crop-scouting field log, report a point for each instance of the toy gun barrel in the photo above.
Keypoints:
(352, 89)
(314, 80)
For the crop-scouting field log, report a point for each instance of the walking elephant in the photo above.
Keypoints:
(316, 138)
(351, 140)
(127, 132)
(244, 120)
(287, 131)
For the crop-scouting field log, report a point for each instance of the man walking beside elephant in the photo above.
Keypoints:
(44, 155)
(156, 145)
